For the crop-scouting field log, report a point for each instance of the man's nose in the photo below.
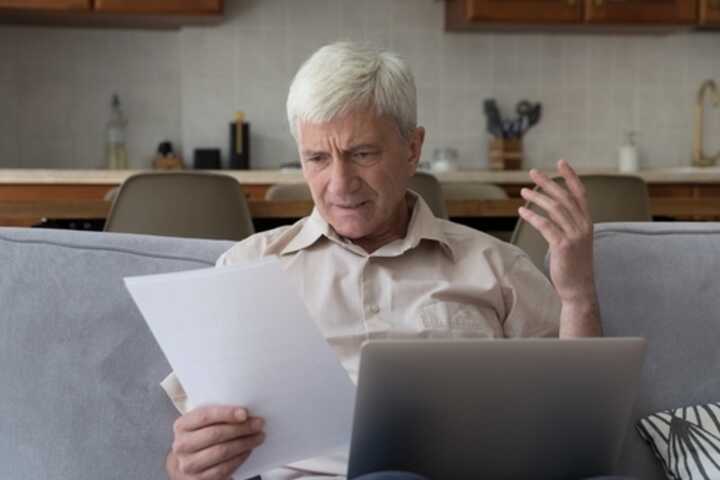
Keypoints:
(343, 177)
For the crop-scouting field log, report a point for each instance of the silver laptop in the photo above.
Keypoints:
(494, 409)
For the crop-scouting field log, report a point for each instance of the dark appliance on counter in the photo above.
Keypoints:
(239, 143)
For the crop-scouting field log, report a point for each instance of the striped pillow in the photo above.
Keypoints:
(686, 440)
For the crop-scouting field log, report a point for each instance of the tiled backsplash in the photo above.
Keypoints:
(56, 83)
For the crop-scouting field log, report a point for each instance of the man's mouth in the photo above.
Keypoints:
(351, 206)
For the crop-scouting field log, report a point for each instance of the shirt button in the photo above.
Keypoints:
(374, 309)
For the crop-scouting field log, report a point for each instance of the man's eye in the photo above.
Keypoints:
(364, 155)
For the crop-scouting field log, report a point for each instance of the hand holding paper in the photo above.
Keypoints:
(241, 336)
(212, 441)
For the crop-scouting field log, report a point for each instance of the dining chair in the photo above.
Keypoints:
(611, 198)
(181, 204)
(473, 191)
(425, 184)
(288, 192)
(429, 188)
(459, 191)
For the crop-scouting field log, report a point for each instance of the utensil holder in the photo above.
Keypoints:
(505, 153)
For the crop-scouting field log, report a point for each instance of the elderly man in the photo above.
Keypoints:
(372, 260)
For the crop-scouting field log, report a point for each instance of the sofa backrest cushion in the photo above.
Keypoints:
(661, 281)
(79, 369)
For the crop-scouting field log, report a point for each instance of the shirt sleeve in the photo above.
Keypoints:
(531, 302)
(175, 391)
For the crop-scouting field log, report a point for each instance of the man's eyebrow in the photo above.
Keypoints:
(352, 148)
(310, 153)
(363, 146)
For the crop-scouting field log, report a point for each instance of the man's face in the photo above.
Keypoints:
(358, 166)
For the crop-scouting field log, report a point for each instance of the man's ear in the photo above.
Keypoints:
(415, 145)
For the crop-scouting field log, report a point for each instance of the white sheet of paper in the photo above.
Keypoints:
(241, 335)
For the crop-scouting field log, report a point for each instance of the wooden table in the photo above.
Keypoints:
(27, 196)
(23, 212)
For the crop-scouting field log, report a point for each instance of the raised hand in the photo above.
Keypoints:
(567, 227)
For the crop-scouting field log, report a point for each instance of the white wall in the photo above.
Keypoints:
(55, 89)
(55, 84)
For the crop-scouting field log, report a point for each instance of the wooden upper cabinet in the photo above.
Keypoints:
(642, 12)
(710, 13)
(163, 14)
(46, 5)
(160, 7)
(469, 13)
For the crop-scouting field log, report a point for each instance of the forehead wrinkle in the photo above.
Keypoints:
(320, 138)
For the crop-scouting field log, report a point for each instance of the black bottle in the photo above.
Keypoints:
(239, 143)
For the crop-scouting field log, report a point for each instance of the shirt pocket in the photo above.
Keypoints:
(458, 320)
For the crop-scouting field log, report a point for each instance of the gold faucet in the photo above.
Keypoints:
(699, 159)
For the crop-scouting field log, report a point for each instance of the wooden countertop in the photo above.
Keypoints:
(267, 177)
(23, 209)
(29, 195)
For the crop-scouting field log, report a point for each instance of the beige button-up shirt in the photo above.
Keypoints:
(443, 280)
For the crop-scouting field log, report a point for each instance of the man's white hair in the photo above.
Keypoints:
(344, 76)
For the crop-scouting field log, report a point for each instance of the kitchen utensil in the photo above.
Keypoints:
(535, 114)
(494, 119)
(528, 116)
(523, 107)
(508, 129)
(524, 110)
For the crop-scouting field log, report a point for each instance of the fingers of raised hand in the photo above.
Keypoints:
(575, 208)
(555, 209)
(202, 417)
(574, 184)
(215, 457)
(554, 190)
(550, 232)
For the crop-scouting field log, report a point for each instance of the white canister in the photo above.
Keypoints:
(445, 159)
(628, 155)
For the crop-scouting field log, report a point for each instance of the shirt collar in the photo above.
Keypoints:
(423, 225)
(312, 230)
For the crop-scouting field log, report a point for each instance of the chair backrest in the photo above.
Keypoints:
(611, 198)
(424, 184)
(289, 192)
(181, 204)
(473, 191)
(428, 187)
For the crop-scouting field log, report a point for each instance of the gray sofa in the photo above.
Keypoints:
(79, 369)
(661, 281)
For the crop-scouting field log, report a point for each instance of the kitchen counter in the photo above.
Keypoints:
(269, 177)
(26, 196)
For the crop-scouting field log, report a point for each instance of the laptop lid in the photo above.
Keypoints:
(500, 409)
